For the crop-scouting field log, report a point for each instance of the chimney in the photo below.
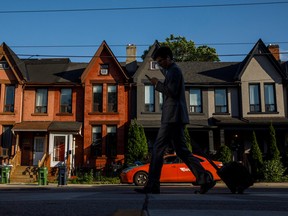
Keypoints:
(130, 53)
(274, 49)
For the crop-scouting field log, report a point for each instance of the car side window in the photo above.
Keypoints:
(170, 160)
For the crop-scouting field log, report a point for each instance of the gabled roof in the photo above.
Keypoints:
(147, 59)
(198, 73)
(17, 65)
(209, 73)
(54, 70)
(284, 67)
(98, 55)
(259, 49)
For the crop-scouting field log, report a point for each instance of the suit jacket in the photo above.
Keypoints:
(174, 103)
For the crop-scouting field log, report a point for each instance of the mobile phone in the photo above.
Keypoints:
(148, 77)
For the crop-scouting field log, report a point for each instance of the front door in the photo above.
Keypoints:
(39, 144)
(58, 148)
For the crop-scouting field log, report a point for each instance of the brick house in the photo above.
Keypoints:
(45, 123)
(106, 111)
(56, 112)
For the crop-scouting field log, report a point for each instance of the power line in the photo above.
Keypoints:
(139, 45)
(142, 8)
(119, 56)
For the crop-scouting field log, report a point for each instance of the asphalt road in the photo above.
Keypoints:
(120, 200)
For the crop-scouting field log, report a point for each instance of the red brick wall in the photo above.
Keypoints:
(120, 118)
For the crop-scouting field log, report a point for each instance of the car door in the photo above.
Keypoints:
(169, 170)
(183, 172)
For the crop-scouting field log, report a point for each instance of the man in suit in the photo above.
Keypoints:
(173, 120)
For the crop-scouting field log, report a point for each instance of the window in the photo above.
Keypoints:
(149, 98)
(66, 100)
(111, 141)
(4, 65)
(7, 137)
(96, 146)
(59, 148)
(269, 93)
(41, 101)
(112, 98)
(9, 98)
(97, 98)
(160, 100)
(254, 97)
(154, 65)
(104, 69)
(220, 101)
(195, 105)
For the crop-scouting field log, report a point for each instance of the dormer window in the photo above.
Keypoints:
(104, 69)
(4, 65)
(154, 65)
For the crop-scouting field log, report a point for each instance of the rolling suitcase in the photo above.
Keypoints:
(236, 177)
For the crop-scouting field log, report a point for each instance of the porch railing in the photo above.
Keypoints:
(15, 161)
(42, 161)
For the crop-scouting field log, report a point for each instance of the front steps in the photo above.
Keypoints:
(24, 174)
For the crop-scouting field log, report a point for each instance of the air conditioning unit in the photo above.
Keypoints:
(4, 152)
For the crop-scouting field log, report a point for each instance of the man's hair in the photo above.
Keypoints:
(163, 52)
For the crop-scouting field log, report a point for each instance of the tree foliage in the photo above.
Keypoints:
(188, 139)
(256, 157)
(224, 154)
(137, 148)
(273, 152)
(184, 50)
(273, 171)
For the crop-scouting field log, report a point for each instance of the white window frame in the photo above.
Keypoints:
(104, 69)
(154, 65)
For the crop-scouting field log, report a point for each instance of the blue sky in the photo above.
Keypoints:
(231, 30)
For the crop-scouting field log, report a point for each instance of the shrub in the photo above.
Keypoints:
(224, 154)
(86, 178)
(273, 171)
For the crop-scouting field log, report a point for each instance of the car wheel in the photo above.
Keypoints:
(140, 178)
(211, 176)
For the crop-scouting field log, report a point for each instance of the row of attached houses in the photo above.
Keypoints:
(55, 112)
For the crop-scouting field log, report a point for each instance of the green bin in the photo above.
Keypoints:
(5, 170)
(42, 176)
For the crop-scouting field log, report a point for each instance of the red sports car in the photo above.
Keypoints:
(174, 170)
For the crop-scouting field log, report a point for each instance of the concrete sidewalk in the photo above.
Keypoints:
(55, 185)
(175, 199)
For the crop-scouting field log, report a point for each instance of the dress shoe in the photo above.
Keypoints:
(147, 190)
(206, 187)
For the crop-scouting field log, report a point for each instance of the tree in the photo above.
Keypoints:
(256, 157)
(137, 147)
(188, 139)
(184, 50)
(273, 152)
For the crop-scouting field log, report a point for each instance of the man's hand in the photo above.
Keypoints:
(154, 80)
